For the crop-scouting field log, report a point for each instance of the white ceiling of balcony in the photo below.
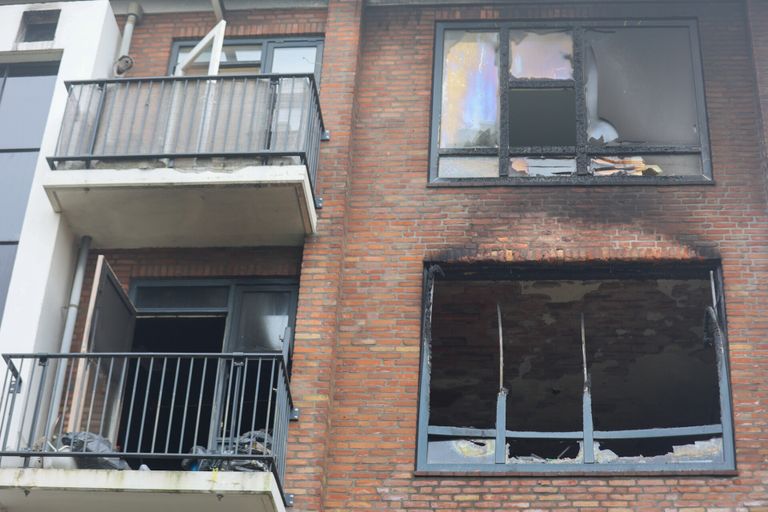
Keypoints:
(135, 208)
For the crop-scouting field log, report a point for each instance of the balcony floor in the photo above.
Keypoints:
(135, 208)
(87, 490)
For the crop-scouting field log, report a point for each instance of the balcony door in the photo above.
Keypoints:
(166, 334)
(109, 326)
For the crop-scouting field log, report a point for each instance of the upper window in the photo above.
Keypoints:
(582, 103)
(255, 56)
(604, 369)
(37, 26)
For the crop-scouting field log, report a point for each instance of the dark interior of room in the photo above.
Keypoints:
(649, 360)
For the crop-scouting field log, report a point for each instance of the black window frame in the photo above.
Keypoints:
(582, 150)
(268, 44)
(708, 269)
(235, 289)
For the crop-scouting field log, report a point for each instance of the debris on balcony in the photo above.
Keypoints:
(256, 442)
(88, 442)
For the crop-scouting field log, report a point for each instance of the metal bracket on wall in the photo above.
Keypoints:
(319, 203)
(294, 414)
(326, 135)
(289, 500)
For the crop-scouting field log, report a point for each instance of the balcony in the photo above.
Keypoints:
(189, 161)
(195, 432)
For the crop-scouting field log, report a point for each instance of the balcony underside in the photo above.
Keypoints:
(134, 208)
(79, 490)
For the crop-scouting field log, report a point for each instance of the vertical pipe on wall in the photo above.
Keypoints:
(69, 327)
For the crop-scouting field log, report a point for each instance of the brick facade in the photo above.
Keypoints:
(357, 349)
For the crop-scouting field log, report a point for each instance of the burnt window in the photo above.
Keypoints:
(38, 26)
(588, 103)
(608, 369)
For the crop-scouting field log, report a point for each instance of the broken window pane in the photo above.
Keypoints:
(540, 54)
(468, 167)
(542, 117)
(650, 360)
(470, 94)
(649, 363)
(640, 86)
(646, 165)
(541, 167)
(704, 448)
(461, 451)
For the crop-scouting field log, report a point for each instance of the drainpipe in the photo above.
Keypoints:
(69, 327)
(124, 61)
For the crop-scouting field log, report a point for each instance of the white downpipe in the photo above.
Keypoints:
(69, 326)
(135, 13)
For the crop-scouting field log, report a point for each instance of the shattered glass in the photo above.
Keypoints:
(646, 165)
(540, 54)
(640, 86)
(470, 97)
(525, 167)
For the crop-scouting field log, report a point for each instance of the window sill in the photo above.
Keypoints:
(550, 470)
(576, 181)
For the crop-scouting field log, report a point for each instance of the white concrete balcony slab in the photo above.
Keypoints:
(97, 490)
(132, 208)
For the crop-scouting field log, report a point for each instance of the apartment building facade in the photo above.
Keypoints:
(384, 255)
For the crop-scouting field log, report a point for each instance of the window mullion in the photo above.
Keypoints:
(504, 102)
(582, 158)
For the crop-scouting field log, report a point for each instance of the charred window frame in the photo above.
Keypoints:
(500, 457)
(572, 159)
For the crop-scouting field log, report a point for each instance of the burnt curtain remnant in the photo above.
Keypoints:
(600, 371)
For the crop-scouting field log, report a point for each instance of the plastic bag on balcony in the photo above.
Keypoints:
(88, 442)
(256, 442)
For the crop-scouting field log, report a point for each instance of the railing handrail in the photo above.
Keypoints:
(278, 356)
(172, 78)
(65, 355)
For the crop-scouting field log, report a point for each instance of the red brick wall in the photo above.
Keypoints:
(154, 36)
(356, 362)
(316, 357)
(394, 222)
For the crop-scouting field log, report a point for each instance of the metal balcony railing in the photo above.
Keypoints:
(192, 412)
(274, 118)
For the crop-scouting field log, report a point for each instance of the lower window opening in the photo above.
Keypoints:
(575, 371)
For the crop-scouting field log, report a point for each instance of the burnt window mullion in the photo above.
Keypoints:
(582, 158)
(504, 118)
